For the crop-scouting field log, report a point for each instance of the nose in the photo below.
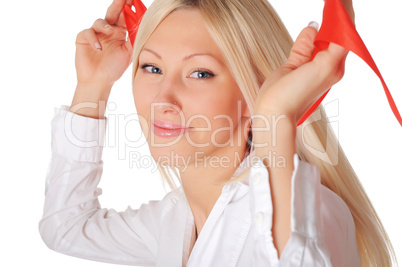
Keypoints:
(167, 97)
(166, 107)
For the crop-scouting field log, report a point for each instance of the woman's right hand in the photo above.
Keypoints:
(102, 51)
(102, 56)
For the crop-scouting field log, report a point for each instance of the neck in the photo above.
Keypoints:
(204, 180)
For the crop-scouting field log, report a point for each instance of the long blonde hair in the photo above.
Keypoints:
(254, 42)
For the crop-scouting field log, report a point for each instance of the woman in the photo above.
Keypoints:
(201, 71)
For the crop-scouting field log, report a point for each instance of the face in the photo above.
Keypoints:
(185, 95)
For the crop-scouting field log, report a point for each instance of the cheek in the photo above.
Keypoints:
(142, 99)
(227, 103)
(224, 110)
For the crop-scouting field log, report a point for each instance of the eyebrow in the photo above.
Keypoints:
(185, 57)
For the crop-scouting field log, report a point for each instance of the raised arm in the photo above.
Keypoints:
(102, 56)
(287, 94)
(73, 221)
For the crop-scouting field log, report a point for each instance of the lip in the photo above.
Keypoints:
(168, 129)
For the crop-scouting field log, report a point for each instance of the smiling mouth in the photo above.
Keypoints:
(167, 129)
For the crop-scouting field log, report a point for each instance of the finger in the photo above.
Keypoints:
(332, 62)
(129, 47)
(88, 37)
(101, 25)
(323, 72)
(302, 49)
(121, 21)
(337, 51)
(114, 11)
(300, 54)
(331, 56)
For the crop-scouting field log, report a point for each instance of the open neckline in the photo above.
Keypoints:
(218, 208)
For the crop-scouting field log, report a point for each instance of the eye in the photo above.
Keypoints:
(150, 68)
(198, 73)
(202, 74)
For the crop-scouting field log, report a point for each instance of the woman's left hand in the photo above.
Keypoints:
(297, 84)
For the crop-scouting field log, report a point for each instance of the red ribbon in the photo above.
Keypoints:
(337, 27)
(133, 19)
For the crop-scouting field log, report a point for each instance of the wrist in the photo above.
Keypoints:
(272, 116)
(274, 135)
(90, 100)
(93, 91)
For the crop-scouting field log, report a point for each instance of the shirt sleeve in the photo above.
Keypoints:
(322, 227)
(73, 222)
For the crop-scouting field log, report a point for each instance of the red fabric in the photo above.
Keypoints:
(337, 27)
(133, 19)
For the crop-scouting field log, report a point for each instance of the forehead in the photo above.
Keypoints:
(183, 32)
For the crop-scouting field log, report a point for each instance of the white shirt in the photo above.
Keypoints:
(237, 231)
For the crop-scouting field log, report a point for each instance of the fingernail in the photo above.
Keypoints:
(98, 46)
(108, 26)
(314, 24)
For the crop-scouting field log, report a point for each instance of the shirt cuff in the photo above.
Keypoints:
(77, 137)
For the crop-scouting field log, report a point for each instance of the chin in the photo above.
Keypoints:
(173, 156)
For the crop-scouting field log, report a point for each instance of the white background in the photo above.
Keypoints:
(38, 74)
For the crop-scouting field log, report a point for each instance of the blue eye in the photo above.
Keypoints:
(203, 74)
(200, 74)
(153, 69)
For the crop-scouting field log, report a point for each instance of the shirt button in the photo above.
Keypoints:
(259, 218)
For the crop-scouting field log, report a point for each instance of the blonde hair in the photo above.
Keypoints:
(254, 42)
